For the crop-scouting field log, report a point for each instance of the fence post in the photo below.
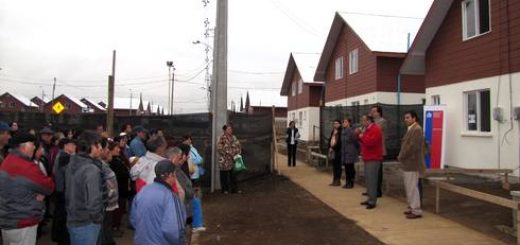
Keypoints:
(274, 163)
(437, 197)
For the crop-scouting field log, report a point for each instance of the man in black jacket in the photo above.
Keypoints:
(85, 191)
(60, 233)
(292, 143)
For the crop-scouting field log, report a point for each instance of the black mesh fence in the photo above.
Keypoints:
(253, 131)
(392, 113)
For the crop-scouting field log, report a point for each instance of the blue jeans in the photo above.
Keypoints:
(197, 213)
(84, 235)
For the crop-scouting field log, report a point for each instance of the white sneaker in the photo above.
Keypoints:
(202, 228)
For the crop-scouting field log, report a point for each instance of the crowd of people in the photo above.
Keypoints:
(348, 144)
(85, 182)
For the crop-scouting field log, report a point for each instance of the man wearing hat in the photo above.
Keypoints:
(4, 139)
(157, 213)
(24, 187)
(51, 150)
(137, 148)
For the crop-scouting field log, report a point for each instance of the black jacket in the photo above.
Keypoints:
(123, 176)
(288, 138)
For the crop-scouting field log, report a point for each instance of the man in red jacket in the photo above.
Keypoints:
(372, 153)
(23, 189)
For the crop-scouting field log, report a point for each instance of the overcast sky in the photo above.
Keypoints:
(73, 40)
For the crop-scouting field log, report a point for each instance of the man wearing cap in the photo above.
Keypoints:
(4, 139)
(51, 150)
(24, 187)
(137, 148)
(157, 213)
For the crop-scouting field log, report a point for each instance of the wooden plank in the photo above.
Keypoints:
(318, 155)
(478, 195)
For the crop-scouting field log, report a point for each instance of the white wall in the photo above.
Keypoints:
(310, 118)
(497, 149)
(389, 98)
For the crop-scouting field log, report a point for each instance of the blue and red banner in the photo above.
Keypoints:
(434, 134)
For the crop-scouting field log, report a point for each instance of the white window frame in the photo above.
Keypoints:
(477, 112)
(293, 89)
(477, 19)
(339, 73)
(436, 99)
(353, 61)
(300, 117)
(300, 86)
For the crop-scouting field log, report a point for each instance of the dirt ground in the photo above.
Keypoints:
(478, 215)
(273, 210)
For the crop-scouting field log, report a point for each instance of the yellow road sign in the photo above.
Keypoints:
(58, 107)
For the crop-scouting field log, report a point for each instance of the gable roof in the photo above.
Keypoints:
(76, 101)
(414, 63)
(91, 102)
(381, 34)
(22, 99)
(305, 63)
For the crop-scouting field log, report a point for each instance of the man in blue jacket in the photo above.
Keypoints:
(157, 214)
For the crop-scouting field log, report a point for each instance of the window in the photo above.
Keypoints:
(67, 106)
(339, 68)
(436, 100)
(300, 119)
(353, 61)
(365, 102)
(305, 116)
(293, 116)
(475, 18)
(300, 86)
(11, 104)
(477, 111)
(355, 103)
(293, 89)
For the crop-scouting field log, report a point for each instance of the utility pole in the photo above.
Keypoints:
(219, 87)
(53, 90)
(110, 106)
(173, 82)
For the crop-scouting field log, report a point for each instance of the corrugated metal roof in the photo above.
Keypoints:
(383, 33)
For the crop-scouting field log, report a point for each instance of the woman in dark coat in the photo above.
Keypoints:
(349, 151)
(335, 152)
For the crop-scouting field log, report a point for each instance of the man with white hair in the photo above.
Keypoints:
(22, 193)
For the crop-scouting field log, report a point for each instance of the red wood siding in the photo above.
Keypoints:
(308, 97)
(5, 104)
(362, 82)
(450, 60)
(74, 108)
(387, 72)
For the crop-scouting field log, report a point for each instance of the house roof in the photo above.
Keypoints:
(414, 63)
(94, 104)
(381, 34)
(76, 101)
(22, 99)
(305, 63)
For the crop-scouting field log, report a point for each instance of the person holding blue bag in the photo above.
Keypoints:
(197, 171)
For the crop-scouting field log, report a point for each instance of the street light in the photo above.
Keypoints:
(171, 76)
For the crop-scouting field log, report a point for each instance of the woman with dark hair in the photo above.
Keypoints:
(292, 143)
(120, 168)
(349, 151)
(228, 147)
(335, 152)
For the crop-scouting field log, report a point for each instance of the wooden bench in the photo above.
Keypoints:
(501, 201)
